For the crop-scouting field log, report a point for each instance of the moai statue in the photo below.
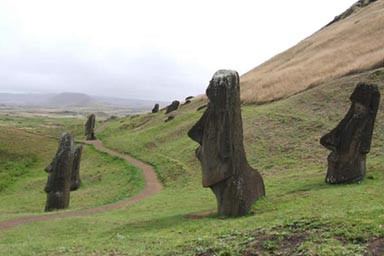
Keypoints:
(221, 153)
(90, 127)
(59, 175)
(155, 108)
(75, 176)
(350, 141)
(174, 105)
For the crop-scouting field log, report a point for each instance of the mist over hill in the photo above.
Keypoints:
(70, 99)
(21, 99)
(73, 104)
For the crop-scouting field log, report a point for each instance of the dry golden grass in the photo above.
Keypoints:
(352, 44)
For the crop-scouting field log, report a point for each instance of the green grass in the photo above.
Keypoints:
(281, 141)
(45, 125)
(105, 179)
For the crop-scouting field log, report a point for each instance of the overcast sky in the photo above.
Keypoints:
(147, 49)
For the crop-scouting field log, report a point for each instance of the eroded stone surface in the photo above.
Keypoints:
(174, 106)
(202, 107)
(59, 175)
(75, 176)
(169, 118)
(221, 153)
(350, 141)
(155, 108)
(90, 127)
(189, 98)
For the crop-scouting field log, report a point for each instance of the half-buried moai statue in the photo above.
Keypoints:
(75, 175)
(172, 107)
(155, 108)
(90, 127)
(221, 153)
(59, 175)
(350, 141)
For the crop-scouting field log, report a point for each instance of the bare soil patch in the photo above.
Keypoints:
(275, 245)
(375, 247)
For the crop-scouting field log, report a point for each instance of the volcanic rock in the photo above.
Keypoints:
(155, 108)
(59, 175)
(75, 176)
(172, 107)
(350, 141)
(221, 153)
(90, 127)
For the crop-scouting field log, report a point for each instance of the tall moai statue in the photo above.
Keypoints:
(155, 108)
(90, 127)
(59, 175)
(350, 141)
(221, 153)
(75, 175)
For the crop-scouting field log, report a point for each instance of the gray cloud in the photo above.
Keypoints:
(149, 76)
(148, 49)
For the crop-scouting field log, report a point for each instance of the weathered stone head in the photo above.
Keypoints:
(172, 107)
(90, 127)
(189, 98)
(221, 153)
(75, 176)
(155, 108)
(59, 175)
(350, 141)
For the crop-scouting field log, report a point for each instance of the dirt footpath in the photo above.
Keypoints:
(152, 186)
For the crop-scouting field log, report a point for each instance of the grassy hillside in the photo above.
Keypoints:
(300, 215)
(282, 141)
(44, 125)
(353, 43)
(23, 157)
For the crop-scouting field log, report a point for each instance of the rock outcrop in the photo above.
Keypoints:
(90, 127)
(202, 107)
(189, 98)
(350, 141)
(75, 175)
(174, 106)
(169, 118)
(221, 153)
(155, 108)
(59, 175)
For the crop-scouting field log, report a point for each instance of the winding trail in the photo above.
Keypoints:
(152, 186)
